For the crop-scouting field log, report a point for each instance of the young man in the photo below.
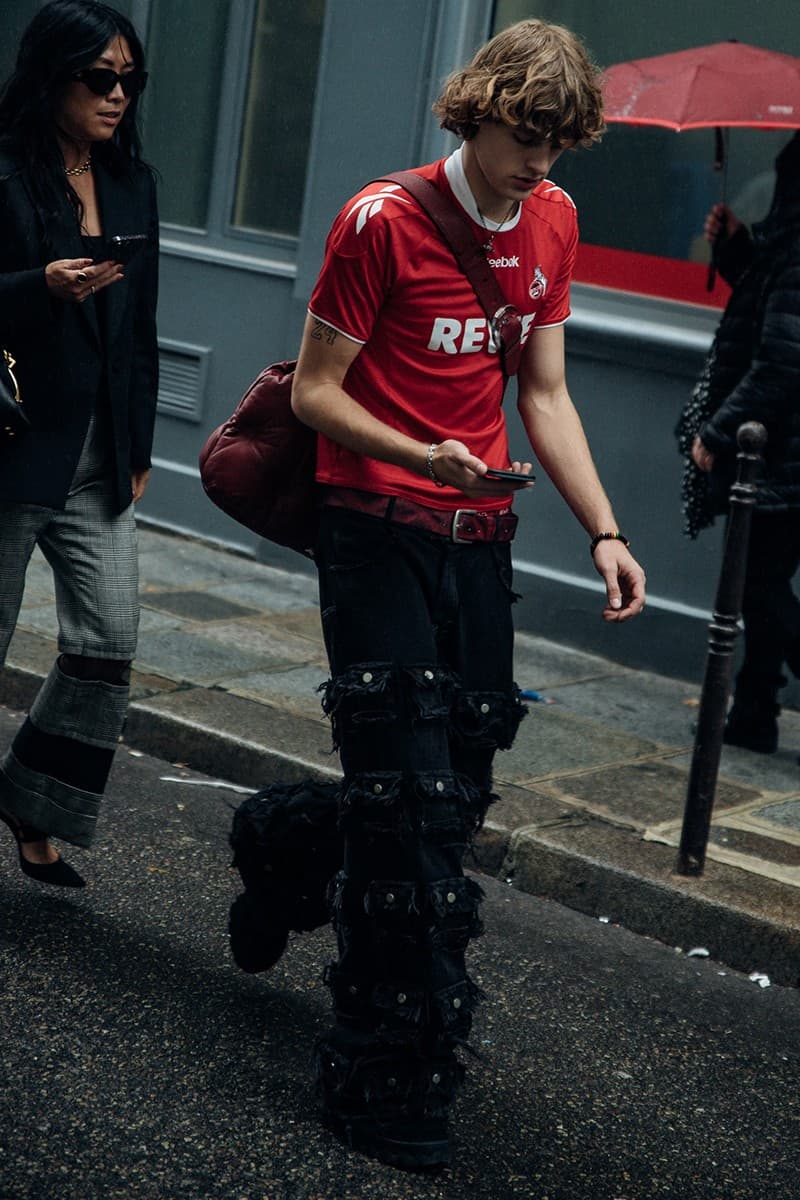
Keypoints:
(400, 376)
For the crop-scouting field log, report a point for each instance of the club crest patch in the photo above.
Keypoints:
(538, 285)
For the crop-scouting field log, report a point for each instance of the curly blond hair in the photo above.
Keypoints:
(535, 77)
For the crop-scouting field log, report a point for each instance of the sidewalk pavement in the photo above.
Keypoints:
(592, 792)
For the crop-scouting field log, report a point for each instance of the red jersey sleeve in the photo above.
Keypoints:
(555, 307)
(358, 269)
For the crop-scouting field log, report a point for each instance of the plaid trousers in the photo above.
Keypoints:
(54, 774)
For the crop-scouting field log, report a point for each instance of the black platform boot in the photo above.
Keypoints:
(287, 849)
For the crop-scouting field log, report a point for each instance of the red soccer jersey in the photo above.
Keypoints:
(427, 366)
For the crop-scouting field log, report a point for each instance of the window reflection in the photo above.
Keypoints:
(185, 49)
(278, 111)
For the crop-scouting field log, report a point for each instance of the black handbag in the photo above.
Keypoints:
(12, 415)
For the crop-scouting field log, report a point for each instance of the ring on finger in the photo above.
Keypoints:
(92, 289)
(82, 277)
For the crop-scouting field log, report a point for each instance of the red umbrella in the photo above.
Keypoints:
(725, 84)
(718, 86)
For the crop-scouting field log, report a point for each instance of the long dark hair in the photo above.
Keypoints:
(62, 38)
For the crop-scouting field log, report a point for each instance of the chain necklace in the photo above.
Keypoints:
(81, 170)
(488, 245)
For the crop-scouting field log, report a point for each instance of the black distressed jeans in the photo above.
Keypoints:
(421, 695)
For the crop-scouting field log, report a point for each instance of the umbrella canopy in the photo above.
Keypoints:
(718, 86)
(725, 84)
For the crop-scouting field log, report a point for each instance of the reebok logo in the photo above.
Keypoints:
(504, 262)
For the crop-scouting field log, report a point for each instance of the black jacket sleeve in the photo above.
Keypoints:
(25, 304)
(770, 390)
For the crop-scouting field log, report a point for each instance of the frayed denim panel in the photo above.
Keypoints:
(399, 1009)
(287, 848)
(356, 1078)
(372, 694)
(364, 695)
(488, 719)
(277, 830)
(404, 943)
(438, 806)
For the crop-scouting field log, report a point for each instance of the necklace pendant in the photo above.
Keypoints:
(488, 246)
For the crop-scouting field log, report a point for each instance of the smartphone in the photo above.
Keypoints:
(513, 476)
(123, 247)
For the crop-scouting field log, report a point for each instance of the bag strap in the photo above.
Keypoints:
(505, 320)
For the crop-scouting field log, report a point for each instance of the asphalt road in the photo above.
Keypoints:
(139, 1064)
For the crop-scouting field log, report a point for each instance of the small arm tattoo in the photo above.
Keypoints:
(322, 332)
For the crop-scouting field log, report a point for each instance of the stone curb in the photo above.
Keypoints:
(219, 754)
(643, 894)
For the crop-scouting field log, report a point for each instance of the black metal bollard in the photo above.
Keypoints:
(722, 633)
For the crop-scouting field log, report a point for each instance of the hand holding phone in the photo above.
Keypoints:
(122, 247)
(511, 476)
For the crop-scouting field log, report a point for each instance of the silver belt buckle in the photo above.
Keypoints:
(457, 515)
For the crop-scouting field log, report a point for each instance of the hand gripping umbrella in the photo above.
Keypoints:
(720, 86)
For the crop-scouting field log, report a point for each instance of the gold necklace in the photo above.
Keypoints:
(81, 170)
(488, 246)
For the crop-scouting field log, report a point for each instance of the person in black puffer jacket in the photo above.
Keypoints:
(755, 376)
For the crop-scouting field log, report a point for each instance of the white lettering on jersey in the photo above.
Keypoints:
(504, 262)
(538, 285)
(452, 337)
(444, 334)
(474, 335)
(368, 206)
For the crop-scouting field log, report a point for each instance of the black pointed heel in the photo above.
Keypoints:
(57, 874)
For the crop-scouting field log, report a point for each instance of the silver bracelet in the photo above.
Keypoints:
(429, 465)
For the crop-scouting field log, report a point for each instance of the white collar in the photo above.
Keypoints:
(457, 178)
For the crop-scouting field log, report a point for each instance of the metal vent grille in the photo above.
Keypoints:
(183, 371)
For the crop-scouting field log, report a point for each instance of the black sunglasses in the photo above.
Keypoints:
(102, 80)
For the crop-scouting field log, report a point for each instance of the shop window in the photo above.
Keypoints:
(643, 193)
(277, 119)
(185, 52)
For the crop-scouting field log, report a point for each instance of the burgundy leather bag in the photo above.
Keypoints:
(259, 465)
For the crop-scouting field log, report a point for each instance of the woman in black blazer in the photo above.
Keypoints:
(78, 316)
